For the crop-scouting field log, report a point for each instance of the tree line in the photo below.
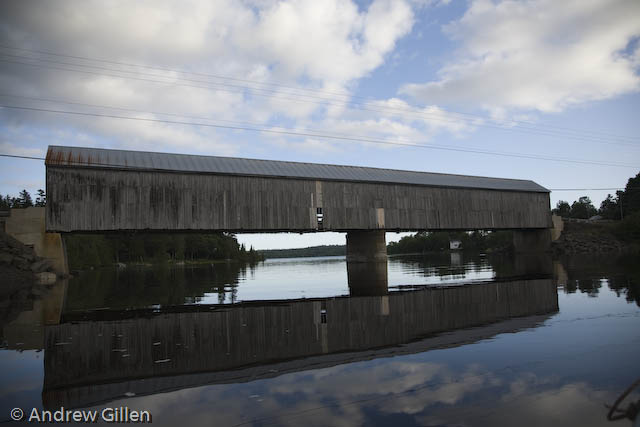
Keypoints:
(93, 250)
(625, 203)
(311, 251)
(24, 200)
(438, 241)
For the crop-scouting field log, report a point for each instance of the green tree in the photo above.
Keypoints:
(136, 248)
(583, 208)
(609, 208)
(41, 200)
(5, 202)
(630, 197)
(24, 199)
(178, 246)
(562, 209)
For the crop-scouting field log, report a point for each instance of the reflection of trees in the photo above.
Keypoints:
(12, 305)
(629, 287)
(587, 274)
(163, 285)
(439, 264)
(590, 287)
(630, 283)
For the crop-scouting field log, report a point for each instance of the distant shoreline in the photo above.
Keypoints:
(311, 251)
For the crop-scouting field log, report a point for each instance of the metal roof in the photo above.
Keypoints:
(140, 160)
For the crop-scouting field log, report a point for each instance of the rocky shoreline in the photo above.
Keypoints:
(583, 238)
(20, 266)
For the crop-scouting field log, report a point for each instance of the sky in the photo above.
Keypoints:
(540, 90)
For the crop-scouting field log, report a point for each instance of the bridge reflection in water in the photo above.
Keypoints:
(98, 356)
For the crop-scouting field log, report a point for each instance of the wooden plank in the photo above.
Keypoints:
(111, 200)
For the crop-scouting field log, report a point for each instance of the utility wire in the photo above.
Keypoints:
(174, 70)
(116, 165)
(254, 125)
(342, 94)
(424, 115)
(108, 107)
(21, 157)
(323, 136)
(59, 101)
(590, 189)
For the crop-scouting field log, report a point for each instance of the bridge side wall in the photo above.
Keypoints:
(90, 199)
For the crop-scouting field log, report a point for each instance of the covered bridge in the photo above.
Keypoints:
(100, 190)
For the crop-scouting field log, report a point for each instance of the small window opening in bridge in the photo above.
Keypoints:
(319, 217)
(323, 315)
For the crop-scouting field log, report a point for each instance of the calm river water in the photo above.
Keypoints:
(446, 340)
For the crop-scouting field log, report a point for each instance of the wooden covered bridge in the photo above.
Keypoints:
(99, 190)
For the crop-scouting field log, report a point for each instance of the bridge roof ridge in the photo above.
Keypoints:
(193, 163)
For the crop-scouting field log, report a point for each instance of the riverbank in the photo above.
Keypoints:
(595, 237)
(311, 251)
(166, 264)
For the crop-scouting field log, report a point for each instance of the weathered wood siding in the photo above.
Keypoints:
(91, 199)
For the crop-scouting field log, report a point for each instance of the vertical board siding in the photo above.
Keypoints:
(110, 200)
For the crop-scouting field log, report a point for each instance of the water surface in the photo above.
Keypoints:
(452, 340)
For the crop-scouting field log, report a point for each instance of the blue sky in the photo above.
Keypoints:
(543, 79)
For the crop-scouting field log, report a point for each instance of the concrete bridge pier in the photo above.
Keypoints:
(366, 246)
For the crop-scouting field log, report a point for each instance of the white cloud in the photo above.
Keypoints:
(537, 55)
(329, 40)
(321, 45)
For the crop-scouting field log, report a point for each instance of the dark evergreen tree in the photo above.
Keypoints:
(41, 200)
(24, 199)
(583, 208)
(609, 208)
(562, 209)
(5, 203)
(630, 198)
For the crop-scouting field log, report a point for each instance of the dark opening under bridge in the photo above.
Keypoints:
(99, 190)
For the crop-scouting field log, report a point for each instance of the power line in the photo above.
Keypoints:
(424, 115)
(324, 136)
(108, 107)
(21, 157)
(174, 70)
(124, 166)
(58, 101)
(594, 189)
(221, 77)
(586, 189)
